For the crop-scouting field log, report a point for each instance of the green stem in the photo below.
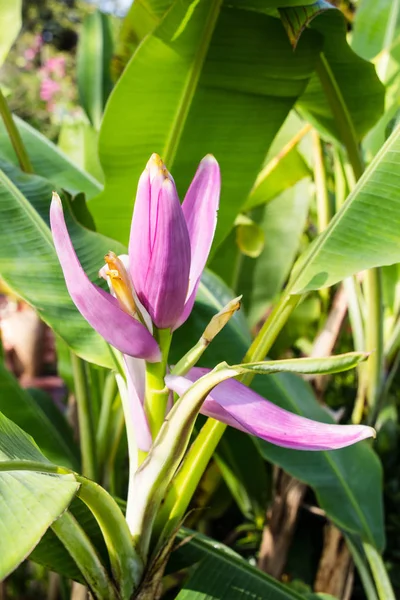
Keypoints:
(81, 549)
(374, 337)
(324, 213)
(379, 573)
(14, 136)
(269, 332)
(86, 426)
(126, 564)
(156, 391)
(363, 571)
(103, 429)
(341, 114)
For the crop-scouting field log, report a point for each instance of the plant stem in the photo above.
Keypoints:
(79, 546)
(126, 564)
(324, 213)
(374, 337)
(156, 391)
(86, 426)
(379, 573)
(14, 136)
(362, 568)
(103, 429)
(271, 328)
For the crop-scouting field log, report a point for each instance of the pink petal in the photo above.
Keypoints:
(237, 405)
(159, 248)
(135, 375)
(98, 307)
(200, 208)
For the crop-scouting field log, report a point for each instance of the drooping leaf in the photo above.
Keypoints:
(29, 264)
(53, 555)
(48, 160)
(218, 74)
(364, 233)
(29, 501)
(355, 77)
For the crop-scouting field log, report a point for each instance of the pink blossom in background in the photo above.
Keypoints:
(48, 88)
(31, 53)
(55, 65)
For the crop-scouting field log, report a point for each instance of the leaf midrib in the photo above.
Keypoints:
(178, 124)
(364, 180)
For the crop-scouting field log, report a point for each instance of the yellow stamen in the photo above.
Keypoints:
(121, 284)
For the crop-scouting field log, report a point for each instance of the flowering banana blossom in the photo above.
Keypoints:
(156, 285)
(237, 405)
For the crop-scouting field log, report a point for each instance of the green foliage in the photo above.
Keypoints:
(93, 65)
(10, 18)
(28, 247)
(29, 501)
(201, 111)
(366, 226)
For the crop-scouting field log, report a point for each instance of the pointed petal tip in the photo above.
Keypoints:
(209, 158)
(55, 197)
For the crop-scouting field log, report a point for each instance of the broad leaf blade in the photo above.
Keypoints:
(29, 501)
(223, 574)
(355, 77)
(29, 264)
(364, 233)
(210, 95)
(48, 160)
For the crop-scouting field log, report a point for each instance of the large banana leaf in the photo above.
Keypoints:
(364, 233)
(29, 264)
(29, 501)
(48, 160)
(208, 79)
(348, 482)
(355, 77)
